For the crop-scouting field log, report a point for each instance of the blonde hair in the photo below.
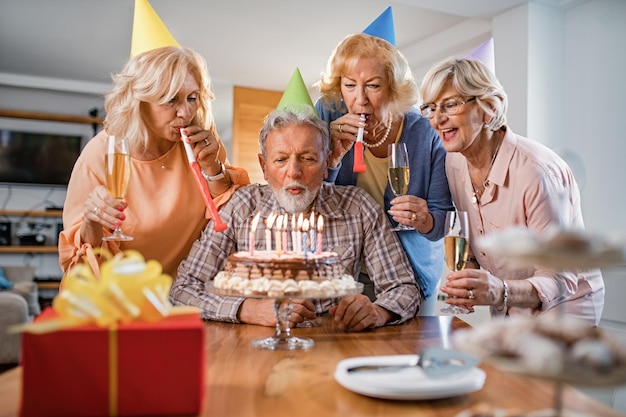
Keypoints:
(402, 85)
(470, 77)
(155, 76)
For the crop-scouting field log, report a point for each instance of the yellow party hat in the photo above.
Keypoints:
(296, 96)
(149, 31)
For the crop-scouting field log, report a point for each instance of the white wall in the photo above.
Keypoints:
(564, 73)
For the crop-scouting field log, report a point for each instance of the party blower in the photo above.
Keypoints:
(218, 224)
(359, 164)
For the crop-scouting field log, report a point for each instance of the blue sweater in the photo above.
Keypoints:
(428, 181)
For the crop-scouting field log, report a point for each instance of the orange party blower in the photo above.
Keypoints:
(218, 224)
(359, 164)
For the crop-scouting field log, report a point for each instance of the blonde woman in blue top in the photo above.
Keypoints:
(367, 75)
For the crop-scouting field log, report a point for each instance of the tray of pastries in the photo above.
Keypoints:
(558, 248)
(550, 346)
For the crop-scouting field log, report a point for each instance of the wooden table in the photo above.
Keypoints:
(242, 381)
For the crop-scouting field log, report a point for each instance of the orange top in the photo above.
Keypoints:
(165, 214)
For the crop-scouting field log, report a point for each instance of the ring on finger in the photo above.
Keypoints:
(413, 216)
(207, 142)
(95, 210)
(470, 294)
(341, 128)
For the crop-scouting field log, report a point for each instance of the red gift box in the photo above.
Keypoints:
(138, 369)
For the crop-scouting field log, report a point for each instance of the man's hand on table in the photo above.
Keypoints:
(357, 312)
(261, 311)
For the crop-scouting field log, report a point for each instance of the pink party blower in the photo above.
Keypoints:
(359, 164)
(218, 224)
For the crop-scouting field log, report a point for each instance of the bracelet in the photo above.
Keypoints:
(217, 176)
(505, 295)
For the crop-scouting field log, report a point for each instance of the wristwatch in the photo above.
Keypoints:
(217, 176)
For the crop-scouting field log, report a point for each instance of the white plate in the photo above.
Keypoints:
(406, 384)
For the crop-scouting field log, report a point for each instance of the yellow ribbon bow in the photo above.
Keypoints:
(129, 289)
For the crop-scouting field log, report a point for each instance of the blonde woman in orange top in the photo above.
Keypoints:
(155, 95)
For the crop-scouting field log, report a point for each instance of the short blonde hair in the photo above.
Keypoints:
(402, 85)
(155, 77)
(470, 77)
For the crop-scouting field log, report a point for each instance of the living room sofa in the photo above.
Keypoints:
(18, 305)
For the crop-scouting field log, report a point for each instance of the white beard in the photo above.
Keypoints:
(294, 203)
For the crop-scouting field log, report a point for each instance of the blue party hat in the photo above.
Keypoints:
(383, 27)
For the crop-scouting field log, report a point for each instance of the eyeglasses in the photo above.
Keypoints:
(449, 107)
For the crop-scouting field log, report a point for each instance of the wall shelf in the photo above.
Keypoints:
(29, 249)
(31, 213)
(25, 214)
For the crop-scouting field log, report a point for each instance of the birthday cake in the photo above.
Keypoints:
(290, 273)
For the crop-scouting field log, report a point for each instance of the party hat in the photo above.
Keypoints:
(485, 54)
(383, 27)
(296, 96)
(149, 31)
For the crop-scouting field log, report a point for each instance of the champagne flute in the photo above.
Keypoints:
(117, 171)
(456, 248)
(398, 173)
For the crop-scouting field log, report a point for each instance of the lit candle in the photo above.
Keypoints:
(320, 227)
(312, 234)
(305, 237)
(294, 236)
(284, 232)
(299, 233)
(269, 221)
(277, 238)
(253, 225)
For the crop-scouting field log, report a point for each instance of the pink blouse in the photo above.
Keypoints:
(522, 190)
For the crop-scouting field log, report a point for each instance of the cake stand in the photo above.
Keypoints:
(561, 249)
(282, 338)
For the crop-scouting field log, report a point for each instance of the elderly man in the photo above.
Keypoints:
(294, 158)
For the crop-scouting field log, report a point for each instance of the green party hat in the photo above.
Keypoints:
(296, 95)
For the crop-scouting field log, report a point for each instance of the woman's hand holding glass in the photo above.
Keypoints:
(456, 250)
(398, 174)
(117, 172)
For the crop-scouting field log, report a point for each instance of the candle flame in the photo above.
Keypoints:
(320, 223)
(312, 219)
(305, 225)
(255, 221)
(269, 222)
(300, 218)
(279, 222)
(285, 217)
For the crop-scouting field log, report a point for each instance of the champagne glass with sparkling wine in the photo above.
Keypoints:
(398, 173)
(117, 171)
(456, 248)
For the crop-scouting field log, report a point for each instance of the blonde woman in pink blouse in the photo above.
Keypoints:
(503, 180)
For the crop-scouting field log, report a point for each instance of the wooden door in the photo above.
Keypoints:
(250, 108)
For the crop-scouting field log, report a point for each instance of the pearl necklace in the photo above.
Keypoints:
(380, 142)
(485, 183)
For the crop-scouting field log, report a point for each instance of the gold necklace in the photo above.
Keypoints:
(380, 142)
(485, 183)
(156, 158)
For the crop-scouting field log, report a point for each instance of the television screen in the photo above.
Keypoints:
(37, 158)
